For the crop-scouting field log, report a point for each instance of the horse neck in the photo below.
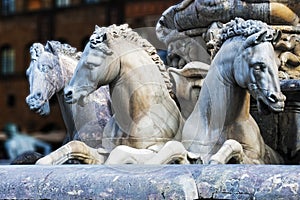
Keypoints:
(66, 112)
(134, 62)
(67, 66)
(138, 74)
(228, 101)
(146, 51)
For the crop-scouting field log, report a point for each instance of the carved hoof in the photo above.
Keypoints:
(231, 149)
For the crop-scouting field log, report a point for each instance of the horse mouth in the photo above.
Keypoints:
(266, 107)
(41, 108)
(70, 100)
(81, 100)
(93, 44)
(70, 96)
(79, 95)
(44, 110)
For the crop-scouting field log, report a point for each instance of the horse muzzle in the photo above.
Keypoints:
(37, 104)
(272, 101)
(277, 100)
(73, 96)
(267, 101)
(69, 95)
(77, 95)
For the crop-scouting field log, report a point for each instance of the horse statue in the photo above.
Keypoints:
(50, 69)
(220, 128)
(146, 117)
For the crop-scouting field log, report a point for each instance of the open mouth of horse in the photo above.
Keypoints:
(40, 107)
(70, 100)
(265, 106)
(79, 95)
(81, 99)
(44, 109)
(93, 44)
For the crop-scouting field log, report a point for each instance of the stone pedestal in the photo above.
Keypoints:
(150, 182)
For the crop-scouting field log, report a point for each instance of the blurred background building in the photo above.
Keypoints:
(23, 22)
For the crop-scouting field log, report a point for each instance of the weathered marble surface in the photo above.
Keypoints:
(222, 110)
(50, 69)
(150, 182)
(185, 21)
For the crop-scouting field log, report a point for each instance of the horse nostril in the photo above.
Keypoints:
(68, 94)
(38, 95)
(273, 98)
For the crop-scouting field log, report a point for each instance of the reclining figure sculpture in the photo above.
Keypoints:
(181, 27)
(193, 14)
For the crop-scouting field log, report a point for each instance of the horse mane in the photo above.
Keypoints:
(127, 33)
(239, 27)
(63, 48)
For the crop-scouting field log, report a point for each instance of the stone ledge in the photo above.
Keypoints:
(150, 182)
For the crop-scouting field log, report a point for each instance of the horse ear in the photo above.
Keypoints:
(50, 48)
(255, 39)
(97, 28)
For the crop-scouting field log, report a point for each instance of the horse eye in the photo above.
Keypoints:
(91, 66)
(45, 68)
(258, 67)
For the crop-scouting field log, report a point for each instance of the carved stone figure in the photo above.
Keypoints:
(192, 14)
(50, 69)
(18, 143)
(146, 120)
(220, 127)
(289, 55)
(186, 49)
(181, 26)
(187, 84)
